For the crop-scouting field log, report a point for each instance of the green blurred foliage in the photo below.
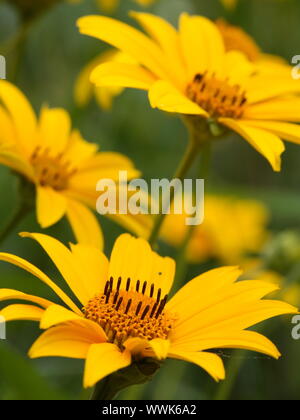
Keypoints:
(52, 56)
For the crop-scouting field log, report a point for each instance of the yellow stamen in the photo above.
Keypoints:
(135, 311)
(50, 170)
(217, 97)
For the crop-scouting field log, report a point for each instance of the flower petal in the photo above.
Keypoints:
(9, 294)
(202, 45)
(248, 340)
(54, 130)
(30, 268)
(102, 360)
(51, 206)
(285, 131)
(166, 97)
(21, 313)
(65, 262)
(123, 75)
(266, 143)
(22, 115)
(133, 258)
(208, 361)
(84, 224)
(127, 39)
(71, 341)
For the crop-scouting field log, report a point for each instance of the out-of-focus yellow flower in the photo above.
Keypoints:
(232, 229)
(189, 72)
(111, 5)
(236, 39)
(126, 315)
(289, 292)
(84, 89)
(229, 4)
(62, 166)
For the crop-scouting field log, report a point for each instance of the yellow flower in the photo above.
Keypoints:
(62, 166)
(229, 4)
(189, 72)
(232, 228)
(126, 315)
(236, 39)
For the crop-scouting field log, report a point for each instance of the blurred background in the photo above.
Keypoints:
(52, 55)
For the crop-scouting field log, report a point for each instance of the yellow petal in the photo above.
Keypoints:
(85, 224)
(157, 348)
(54, 130)
(259, 90)
(202, 45)
(14, 160)
(122, 74)
(168, 39)
(207, 361)
(56, 314)
(133, 258)
(127, 39)
(266, 143)
(71, 341)
(94, 266)
(51, 206)
(247, 340)
(22, 115)
(79, 150)
(25, 265)
(285, 131)
(285, 109)
(166, 97)
(8, 136)
(202, 288)
(9, 294)
(65, 262)
(102, 360)
(21, 313)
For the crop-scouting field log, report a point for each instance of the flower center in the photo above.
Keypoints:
(136, 311)
(51, 171)
(217, 97)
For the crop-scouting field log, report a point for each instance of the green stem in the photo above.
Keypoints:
(184, 166)
(20, 213)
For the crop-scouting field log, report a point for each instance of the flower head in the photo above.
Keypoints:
(189, 72)
(125, 316)
(57, 161)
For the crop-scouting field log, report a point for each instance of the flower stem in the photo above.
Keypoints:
(24, 206)
(184, 166)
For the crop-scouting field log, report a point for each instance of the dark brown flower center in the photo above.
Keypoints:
(217, 97)
(137, 310)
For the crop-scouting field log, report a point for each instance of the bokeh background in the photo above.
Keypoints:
(50, 61)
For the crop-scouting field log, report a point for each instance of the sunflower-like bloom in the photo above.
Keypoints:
(125, 316)
(60, 164)
(189, 72)
(232, 229)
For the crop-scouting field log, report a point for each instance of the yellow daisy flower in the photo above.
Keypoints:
(189, 72)
(125, 316)
(60, 164)
(232, 228)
